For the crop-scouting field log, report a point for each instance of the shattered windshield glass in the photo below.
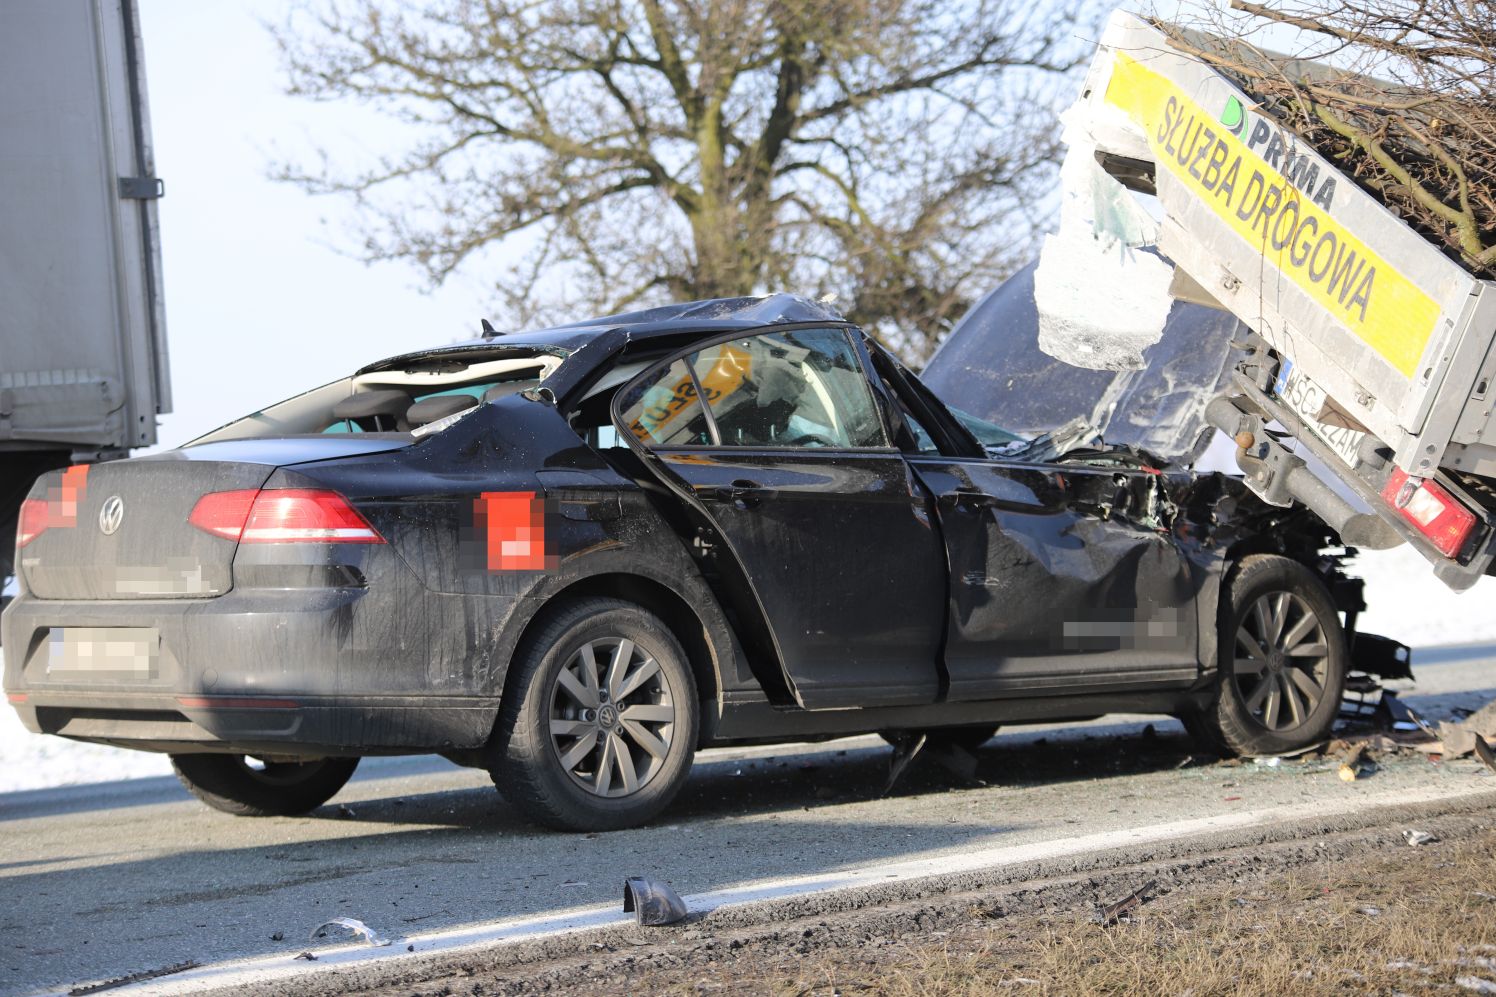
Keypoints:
(991, 368)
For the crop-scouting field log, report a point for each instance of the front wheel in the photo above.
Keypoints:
(248, 787)
(1281, 661)
(599, 721)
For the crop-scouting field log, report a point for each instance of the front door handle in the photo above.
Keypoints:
(742, 493)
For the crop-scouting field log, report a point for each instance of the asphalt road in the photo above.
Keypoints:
(100, 881)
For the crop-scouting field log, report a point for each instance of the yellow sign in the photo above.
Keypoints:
(663, 405)
(1282, 211)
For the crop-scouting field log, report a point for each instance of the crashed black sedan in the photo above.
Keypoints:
(574, 557)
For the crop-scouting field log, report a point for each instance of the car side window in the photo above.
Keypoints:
(663, 410)
(799, 388)
(923, 441)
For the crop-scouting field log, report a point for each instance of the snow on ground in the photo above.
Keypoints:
(39, 761)
(1405, 602)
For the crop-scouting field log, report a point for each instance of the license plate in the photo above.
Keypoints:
(1307, 399)
(104, 652)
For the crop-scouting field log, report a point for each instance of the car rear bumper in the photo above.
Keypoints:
(310, 672)
(308, 727)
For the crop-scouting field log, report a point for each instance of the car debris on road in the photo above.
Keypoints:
(1115, 912)
(1459, 736)
(359, 929)
(652, 901)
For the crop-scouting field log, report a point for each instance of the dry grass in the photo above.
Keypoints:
(1411, 921)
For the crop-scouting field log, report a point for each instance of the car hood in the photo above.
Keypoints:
(991, 367)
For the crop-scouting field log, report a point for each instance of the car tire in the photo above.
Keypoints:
(276, 789)
(1282, 661)
(604, 754)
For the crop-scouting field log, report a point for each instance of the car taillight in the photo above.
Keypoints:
(282, 515)
(223, 514)
(1433, 512)
(34, 520)
(58, 510)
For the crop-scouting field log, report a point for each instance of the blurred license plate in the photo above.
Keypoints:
(1307, 399)
(117, 652)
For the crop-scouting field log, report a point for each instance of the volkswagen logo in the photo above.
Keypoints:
(111, 515)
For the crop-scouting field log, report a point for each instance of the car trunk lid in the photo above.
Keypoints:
(122, 530)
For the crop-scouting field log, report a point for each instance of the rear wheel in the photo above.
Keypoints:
(248, 787)
(1282, 662)
(599, 721)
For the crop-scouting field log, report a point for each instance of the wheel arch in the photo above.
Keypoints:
(709, 650)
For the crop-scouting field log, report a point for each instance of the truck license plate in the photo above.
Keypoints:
(1307, 399)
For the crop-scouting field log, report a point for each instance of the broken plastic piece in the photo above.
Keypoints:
(954, 759)
(1102, 298)
(1416, 838)
(905, 747)
(1401, 715)
(1484, 753)
(1112, 913)
(354, 925)
(652, 901)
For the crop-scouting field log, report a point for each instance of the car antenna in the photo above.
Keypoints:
(489, 332)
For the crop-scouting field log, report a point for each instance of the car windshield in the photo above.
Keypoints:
(991, 369)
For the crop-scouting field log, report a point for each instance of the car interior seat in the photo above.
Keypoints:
(381, 410)
(429, 410)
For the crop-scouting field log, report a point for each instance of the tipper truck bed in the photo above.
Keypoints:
(1373, 349)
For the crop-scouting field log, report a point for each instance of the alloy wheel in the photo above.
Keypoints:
(1281, 660)
(612, 717)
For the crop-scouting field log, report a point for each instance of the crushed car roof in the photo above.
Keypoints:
(725, 314)
(706, 317)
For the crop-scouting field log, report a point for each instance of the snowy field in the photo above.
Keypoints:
(1405, 602)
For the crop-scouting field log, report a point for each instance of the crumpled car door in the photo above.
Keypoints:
(1060, 579)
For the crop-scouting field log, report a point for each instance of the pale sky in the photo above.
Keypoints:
(261, 299)
(259, 305)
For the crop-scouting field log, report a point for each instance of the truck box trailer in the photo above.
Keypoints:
(1372, 349)
(83, 362)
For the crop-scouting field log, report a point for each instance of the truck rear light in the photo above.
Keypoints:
(33, 522)
(1432, 511)
(282, 515)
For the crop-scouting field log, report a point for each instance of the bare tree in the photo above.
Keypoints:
(1411, 113)
(606, 154)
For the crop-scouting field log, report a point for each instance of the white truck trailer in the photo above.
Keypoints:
(83, 365)
(1372, 348)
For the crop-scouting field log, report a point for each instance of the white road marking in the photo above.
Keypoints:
(261, 972)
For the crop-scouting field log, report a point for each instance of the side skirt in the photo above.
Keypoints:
(757, 721)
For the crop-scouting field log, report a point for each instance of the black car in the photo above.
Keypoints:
(575, 556)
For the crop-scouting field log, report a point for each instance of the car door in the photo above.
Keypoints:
(1063, 575)
(776, 439)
